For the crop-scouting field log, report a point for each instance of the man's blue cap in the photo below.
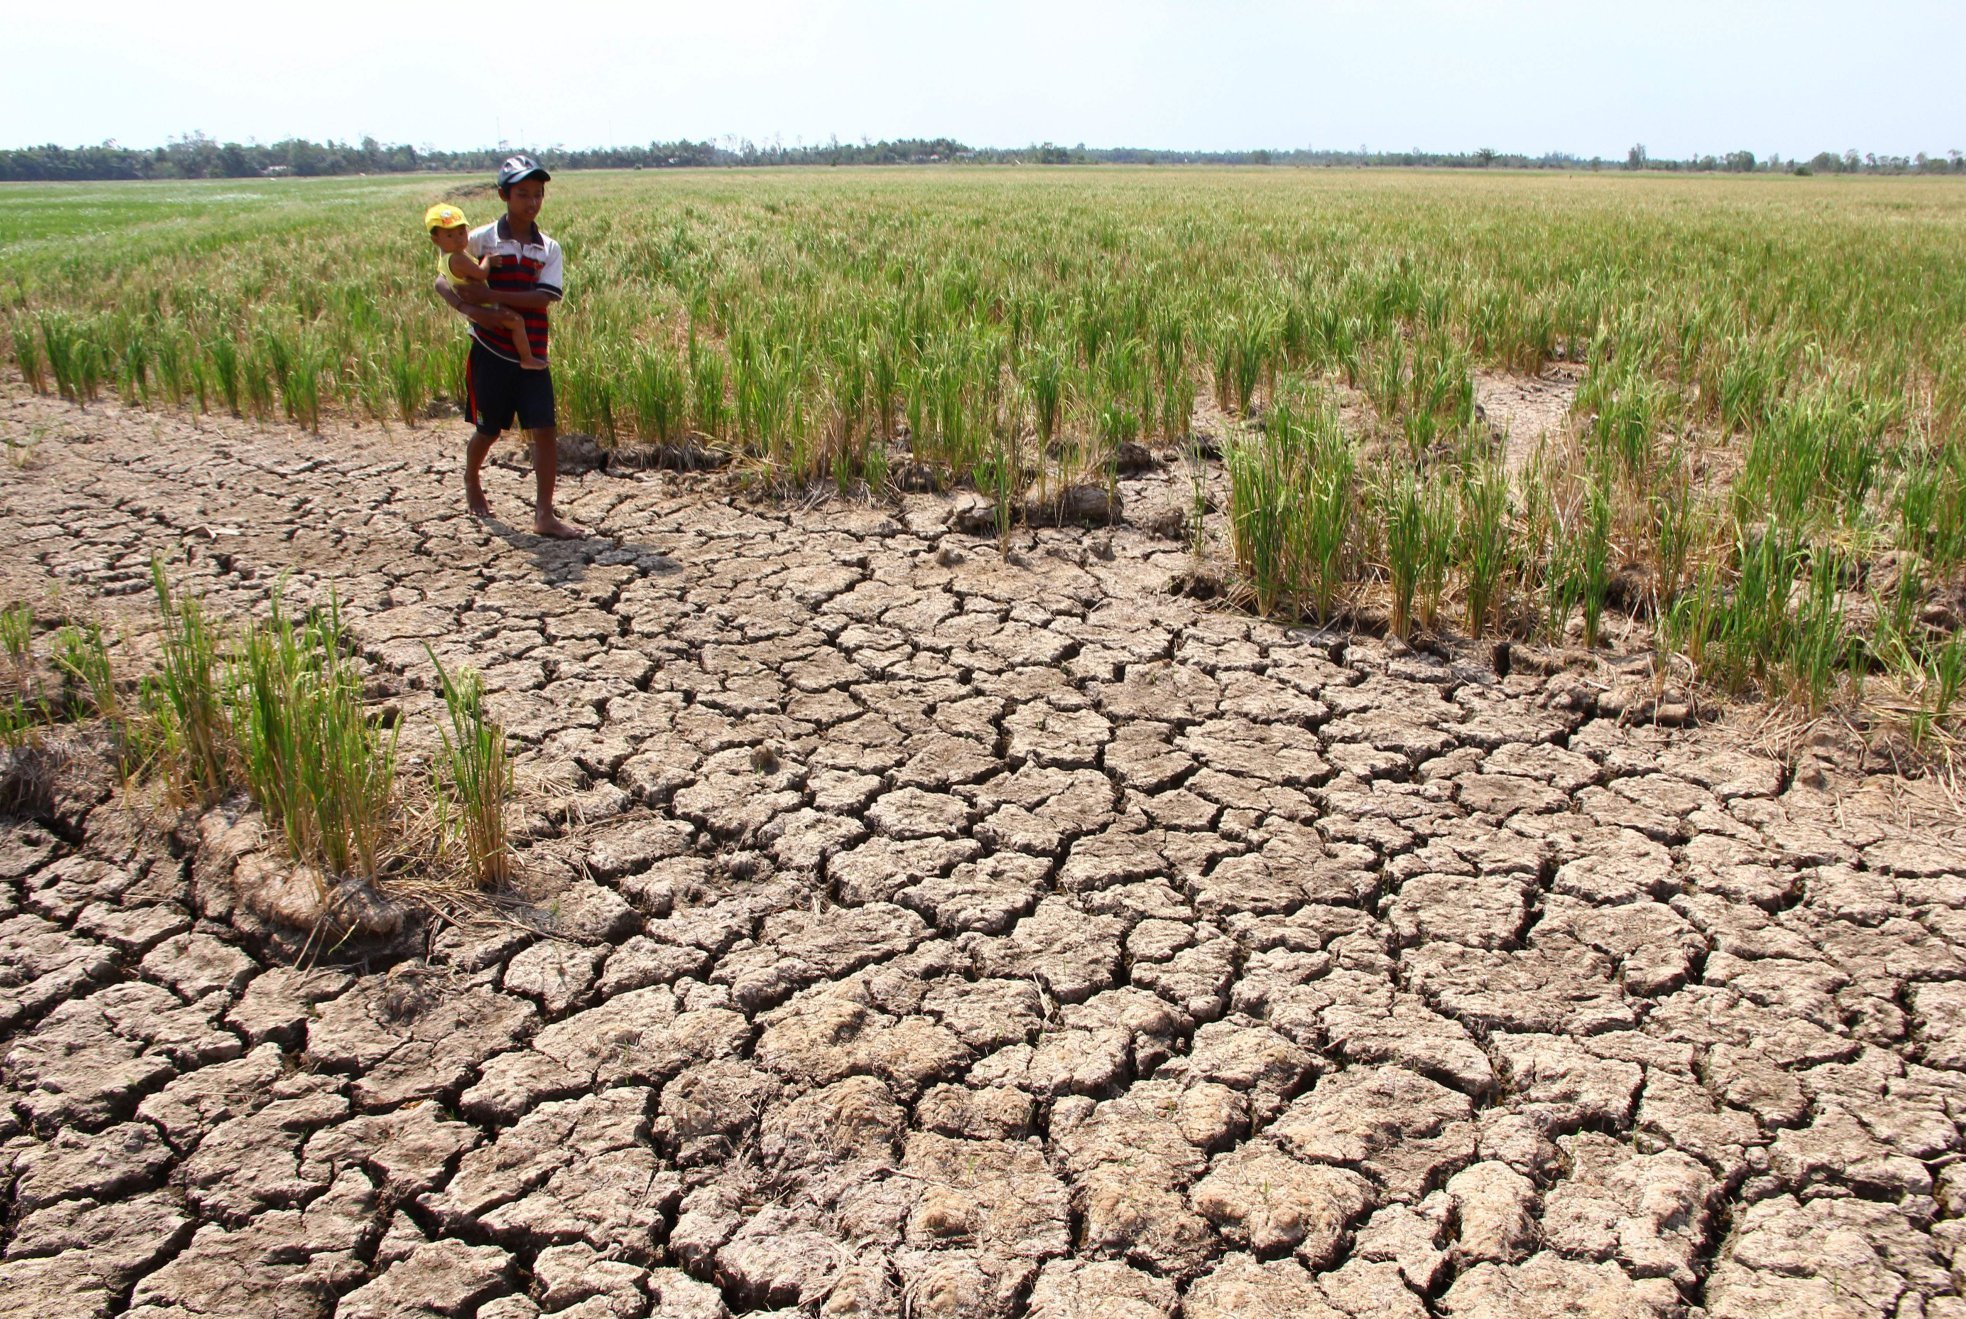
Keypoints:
(520, 167)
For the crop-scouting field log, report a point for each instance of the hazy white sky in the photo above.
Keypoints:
(1519, 75)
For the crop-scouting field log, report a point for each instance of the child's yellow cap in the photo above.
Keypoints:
(443, 216)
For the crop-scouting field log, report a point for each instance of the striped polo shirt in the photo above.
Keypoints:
(523, 265)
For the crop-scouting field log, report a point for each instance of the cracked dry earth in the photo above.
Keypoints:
(910, 932)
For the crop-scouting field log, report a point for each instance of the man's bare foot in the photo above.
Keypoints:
(477, 505)
(558, 528)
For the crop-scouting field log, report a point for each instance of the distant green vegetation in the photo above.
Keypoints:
(1768, 453)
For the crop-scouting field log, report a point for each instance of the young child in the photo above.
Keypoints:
(452, 235)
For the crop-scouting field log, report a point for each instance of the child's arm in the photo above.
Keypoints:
(490, 317)
(464, 266)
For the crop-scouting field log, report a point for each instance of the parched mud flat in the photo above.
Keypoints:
(918, 933)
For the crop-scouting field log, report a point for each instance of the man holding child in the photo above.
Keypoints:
(523, 272)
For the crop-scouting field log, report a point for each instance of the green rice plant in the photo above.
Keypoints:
(222, 353)
(1815, 641)
(1592, 562)
(17, 635)
(20, 723)
(27, 353)
(709, 373)
(183, 700)
(1948, 674)
(1439, 521)
(1403, 514)
(474, 778)
(658, 394)
(1044, 380)
(1328, 506)
(83, 659)
(1483, 551)
(312, 759)
(1260, 515)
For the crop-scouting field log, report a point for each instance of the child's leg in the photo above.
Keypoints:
(516, 324)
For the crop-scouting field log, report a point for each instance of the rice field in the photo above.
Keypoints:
(1765, 467)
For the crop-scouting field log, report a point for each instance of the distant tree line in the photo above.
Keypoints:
(201, 157)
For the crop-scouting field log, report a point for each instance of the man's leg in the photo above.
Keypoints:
(545, 474)
(474, 462)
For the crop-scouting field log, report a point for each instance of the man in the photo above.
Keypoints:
(526, 275)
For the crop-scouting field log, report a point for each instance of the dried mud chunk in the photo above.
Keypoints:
(197, 964)
(1826, 1257)
(278, 1003)
(1079, 1289)
(1161, 1129)
(90, 1059)
(804, 839)
(1142, 758)
(1140, 1220)
(1195, 979)
(962, 1284)
(854, 1122)
(573, 1170)
(1836, 1150)
(412, 1147)
(1262, 1198)
(446, 1278)
(40, 965)
(1939, 1023)
(880, 868)
(1653, 946)
(553, 973)
(409, 1041)
(799, 948)
(1715, 1015)
(1001, 1199)
(510, 1084)
(1246, 1056)
(565, 1276)
(679, 1296)
(197, 1101)
(1684, 1114)
(1548, 1284)
(1481, 911)
(1543, 989)
(709, 1108)
(252, 1163)
(1365, 1290)
(986, 1014)
(822, 1036)
(1495, 1208)
(1620, 866)
(101, 1166)
(1073, 953)
(989, 1113)
(1151, 1023)
(1400, 1128)
(1647, 1211)
(1242, 1287)
(631, 845)
(1563, 1085)
(285, 1262)
(640, 1036)
(1409, 1238)
(1058, 739)
(911, 813)
(986, 896)
(780, 1257)
(1067, 1062)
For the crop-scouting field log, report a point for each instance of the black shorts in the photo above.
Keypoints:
(496, 390)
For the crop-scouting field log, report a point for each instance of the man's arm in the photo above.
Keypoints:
(525, 301)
